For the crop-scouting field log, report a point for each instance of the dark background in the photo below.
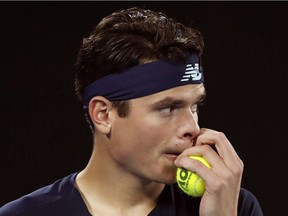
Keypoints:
(44, 135)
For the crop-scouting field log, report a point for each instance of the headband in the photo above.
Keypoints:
(146, 79)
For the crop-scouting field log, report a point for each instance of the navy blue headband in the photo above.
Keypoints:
(146, 79)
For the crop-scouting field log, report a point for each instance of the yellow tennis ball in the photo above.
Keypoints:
(190, 182)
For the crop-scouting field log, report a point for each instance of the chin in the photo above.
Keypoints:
(166, 174)
(170, 182)
(170, 179)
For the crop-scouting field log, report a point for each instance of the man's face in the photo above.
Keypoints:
(158, 128)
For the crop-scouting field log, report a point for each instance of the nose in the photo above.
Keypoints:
(190, 127)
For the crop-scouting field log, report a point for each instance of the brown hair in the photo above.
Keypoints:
(131, 37)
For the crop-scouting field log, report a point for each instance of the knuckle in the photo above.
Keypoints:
(239, 169)
(206, 148)
(221, 135)
(241, 164)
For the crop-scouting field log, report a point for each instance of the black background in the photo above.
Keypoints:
(45, 137)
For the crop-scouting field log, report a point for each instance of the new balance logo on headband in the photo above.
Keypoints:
(192, 72)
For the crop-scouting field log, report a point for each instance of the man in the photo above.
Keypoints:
(140, 80)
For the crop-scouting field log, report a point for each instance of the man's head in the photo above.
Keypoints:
(140, 81)
(129, 38)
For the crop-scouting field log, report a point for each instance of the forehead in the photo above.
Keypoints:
(191, 92)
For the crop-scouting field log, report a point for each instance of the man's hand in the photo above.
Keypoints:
(222, 180)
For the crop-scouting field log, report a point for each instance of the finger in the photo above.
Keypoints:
(223, 146)
(217, 164)
(197, 167)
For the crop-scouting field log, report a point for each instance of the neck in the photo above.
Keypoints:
(106, 187)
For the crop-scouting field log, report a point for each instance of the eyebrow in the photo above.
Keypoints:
(170, 101)
(167, 101)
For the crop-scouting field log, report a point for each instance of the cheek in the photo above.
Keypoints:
(134, 150)
(138, 139)
(138, 136)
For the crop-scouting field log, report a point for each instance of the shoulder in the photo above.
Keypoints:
(248, 204)
(42, 200)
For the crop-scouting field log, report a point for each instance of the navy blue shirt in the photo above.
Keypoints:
(63, 198)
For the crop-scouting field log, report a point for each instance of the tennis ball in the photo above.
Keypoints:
(190, 182)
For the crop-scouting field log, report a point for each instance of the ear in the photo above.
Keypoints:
(99, 110)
